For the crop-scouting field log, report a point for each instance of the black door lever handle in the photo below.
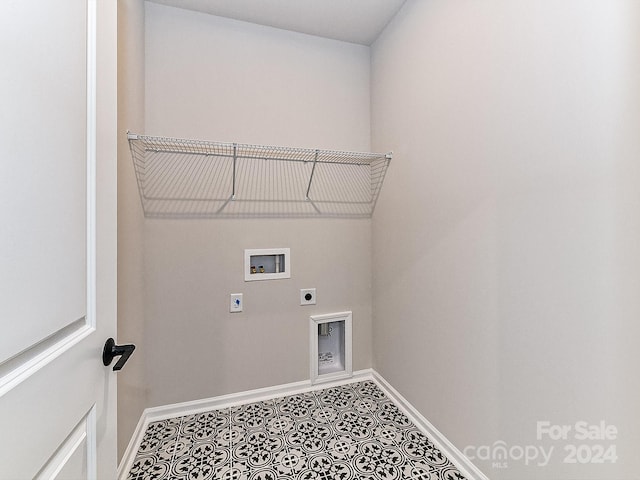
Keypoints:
(111, 350)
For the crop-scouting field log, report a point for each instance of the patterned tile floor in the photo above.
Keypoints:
(348, 432)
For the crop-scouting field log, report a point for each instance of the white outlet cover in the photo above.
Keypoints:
(307, 291)
(235, 303)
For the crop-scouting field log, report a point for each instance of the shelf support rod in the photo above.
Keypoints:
(315, 162)
(235, 157)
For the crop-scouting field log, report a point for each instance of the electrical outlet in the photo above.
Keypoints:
(235, 303)
(307, 296)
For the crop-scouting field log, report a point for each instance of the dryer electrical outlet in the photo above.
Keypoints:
(307, 296)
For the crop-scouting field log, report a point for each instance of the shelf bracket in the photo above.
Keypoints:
(315, 162)
(235, 157)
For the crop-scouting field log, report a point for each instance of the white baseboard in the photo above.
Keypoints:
(164, 412)
(466, 467)
(132, 448)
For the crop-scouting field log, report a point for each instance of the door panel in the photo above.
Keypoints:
(57, 238)
(73, 460)
(44, 76)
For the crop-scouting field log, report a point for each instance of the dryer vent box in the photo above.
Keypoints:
(330, 347)
(267, 264)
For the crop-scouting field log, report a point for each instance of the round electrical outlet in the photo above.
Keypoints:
(307, 296)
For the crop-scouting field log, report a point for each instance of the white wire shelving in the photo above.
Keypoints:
(195, 178)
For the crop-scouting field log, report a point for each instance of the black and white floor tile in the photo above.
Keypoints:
(350, 432)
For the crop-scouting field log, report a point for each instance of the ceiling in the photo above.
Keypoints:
(355, 21)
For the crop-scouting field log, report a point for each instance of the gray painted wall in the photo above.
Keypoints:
(218, 79)
(506, 259)
(132, 386)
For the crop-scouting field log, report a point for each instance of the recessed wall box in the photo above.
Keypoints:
(330, 347)
(267, 264)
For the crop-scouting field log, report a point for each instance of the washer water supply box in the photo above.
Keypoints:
(267, 264)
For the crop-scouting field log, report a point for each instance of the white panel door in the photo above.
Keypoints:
(57, 238)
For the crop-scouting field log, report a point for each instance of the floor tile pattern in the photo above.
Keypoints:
(350, 432)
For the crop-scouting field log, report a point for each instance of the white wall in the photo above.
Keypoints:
(132, 394)
(213, 78)
(218, 79)
(506, 260)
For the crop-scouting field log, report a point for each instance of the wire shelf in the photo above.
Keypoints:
(195, 178)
